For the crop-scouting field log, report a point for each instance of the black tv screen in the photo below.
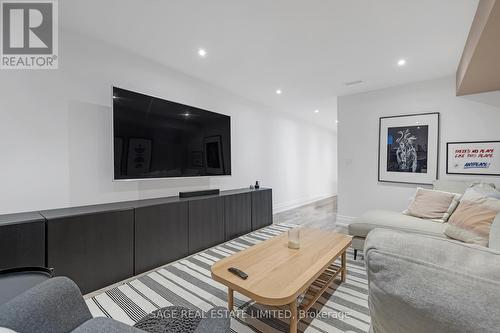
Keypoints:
(156, 138)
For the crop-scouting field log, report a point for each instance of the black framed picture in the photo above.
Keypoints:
(473, 158)
(409, 148)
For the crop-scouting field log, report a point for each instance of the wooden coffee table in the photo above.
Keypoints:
(277, 275)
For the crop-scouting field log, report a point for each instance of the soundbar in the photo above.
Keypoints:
(198, 193)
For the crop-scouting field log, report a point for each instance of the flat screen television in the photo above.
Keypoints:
(156, 138)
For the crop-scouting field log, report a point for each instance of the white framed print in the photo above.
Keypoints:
(473, 158)
(409, 148)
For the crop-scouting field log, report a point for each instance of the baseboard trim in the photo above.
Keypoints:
(278, 208)
(344, 220)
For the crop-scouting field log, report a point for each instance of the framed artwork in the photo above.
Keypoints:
(139, 156)
(213, 155)
(473, 158)
(409, 148)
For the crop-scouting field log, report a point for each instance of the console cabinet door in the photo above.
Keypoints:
(22, 244)
(94, 250)
(206, 223)
(262, 208)
(238, 215)
(161, 235)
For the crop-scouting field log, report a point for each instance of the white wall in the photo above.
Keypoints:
(462, 119)
(55, 129)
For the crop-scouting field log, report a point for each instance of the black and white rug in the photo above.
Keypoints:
(188, 283)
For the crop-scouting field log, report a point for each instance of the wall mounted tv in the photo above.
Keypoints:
(155, 138)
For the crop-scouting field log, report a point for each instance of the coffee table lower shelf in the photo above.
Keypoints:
(318, 287)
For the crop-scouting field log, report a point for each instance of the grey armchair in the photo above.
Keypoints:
(57, 306)
(421, 283)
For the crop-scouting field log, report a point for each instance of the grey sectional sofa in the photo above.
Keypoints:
(387, 219)
(419, 283)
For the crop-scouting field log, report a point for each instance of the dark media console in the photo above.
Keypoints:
(103, 244)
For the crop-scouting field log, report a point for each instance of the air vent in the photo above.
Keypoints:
(352, 83)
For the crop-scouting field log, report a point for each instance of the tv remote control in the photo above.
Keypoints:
(238, 272)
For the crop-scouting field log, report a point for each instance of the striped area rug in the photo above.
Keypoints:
(187, 282)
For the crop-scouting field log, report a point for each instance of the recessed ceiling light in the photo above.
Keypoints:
(401, 62)
(316, 111)
(278, 91)
(202, 53)
(336, 121)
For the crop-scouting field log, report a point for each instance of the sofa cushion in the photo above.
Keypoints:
(472, 220)
(372, 219)
(432, 204)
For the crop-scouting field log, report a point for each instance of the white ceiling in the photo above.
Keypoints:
(307, 48)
